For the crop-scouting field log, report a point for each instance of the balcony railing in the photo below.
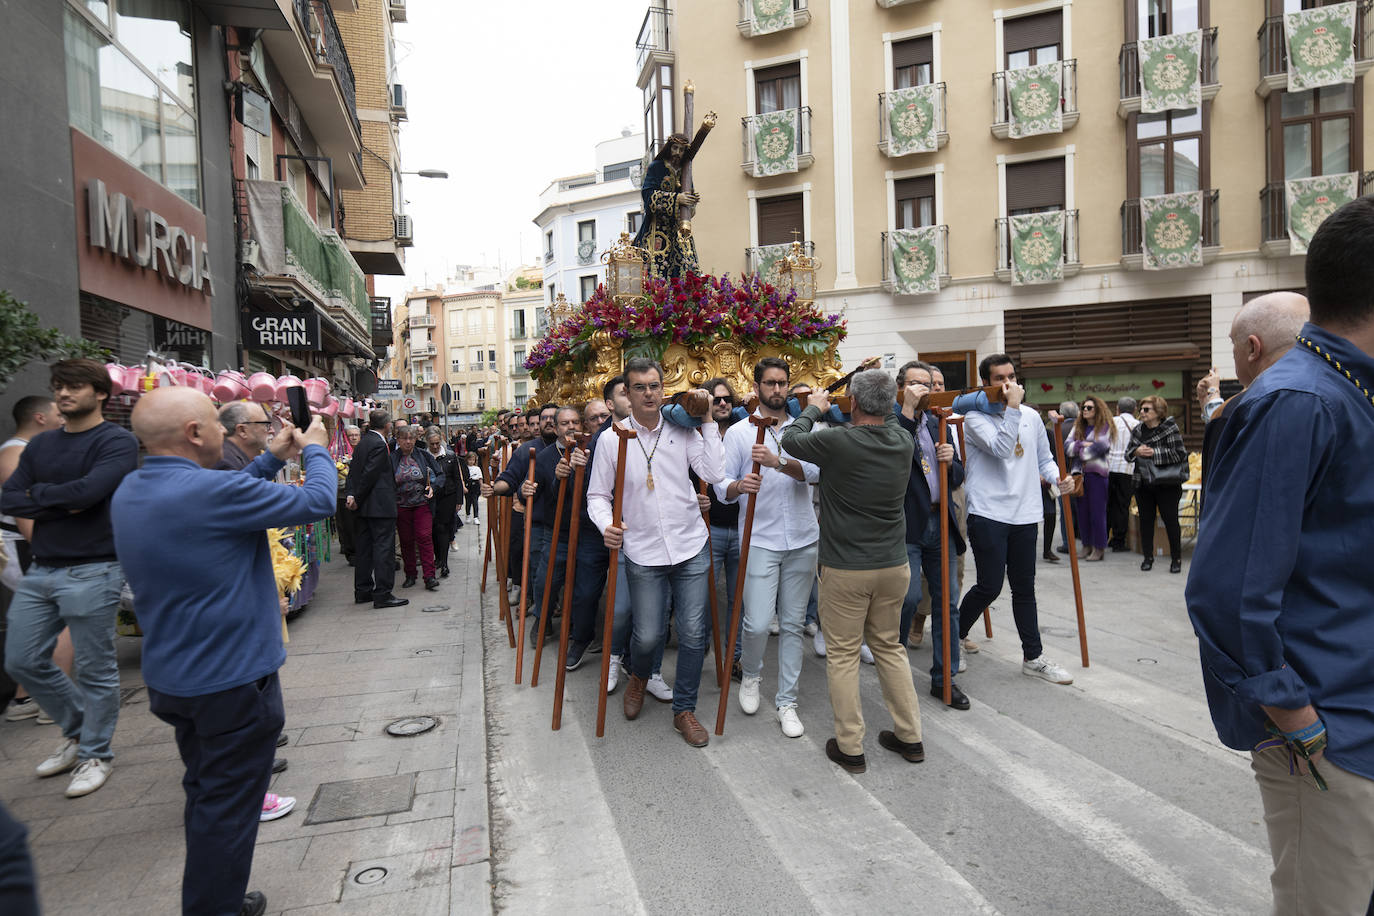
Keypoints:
(1129, 64)
(519, 333)
(1068, 99)
(804, 155)
(762, 258)
(1002, 229)
(750, 25)
(942, 244)
(652, 44)
(1273, 48)
(517, 368)
(420, 321)
(381, 320)
(316, 17)
(423, 351)
(885, 145)
(1132, 246)
(1274, 214)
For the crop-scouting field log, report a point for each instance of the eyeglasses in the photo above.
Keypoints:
(643, 389)
(256, 423)
(1145, 408)
(722, 399)
(1087, 407)
(773, 383)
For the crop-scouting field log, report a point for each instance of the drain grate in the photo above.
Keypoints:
(371, 875)
(1062, 632)
(412, 726)
(434, 608)
(353, 798)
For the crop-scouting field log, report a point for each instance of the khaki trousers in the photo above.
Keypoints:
(857, 606)
(1322, 842)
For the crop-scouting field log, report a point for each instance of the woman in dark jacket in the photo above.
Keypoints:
(446, 498)
(418, 478)
(1156, 442)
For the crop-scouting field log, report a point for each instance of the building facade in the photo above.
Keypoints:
(850, 79)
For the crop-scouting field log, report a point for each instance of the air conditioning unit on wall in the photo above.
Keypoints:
(398, 101)
(405, 231)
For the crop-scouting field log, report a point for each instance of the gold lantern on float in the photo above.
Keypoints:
(624, 269)
(560, 310)
(797, 270)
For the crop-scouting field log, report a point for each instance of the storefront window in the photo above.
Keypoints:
(130, 86)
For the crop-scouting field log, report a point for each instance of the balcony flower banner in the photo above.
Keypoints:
(1033, 100)
(766, 260)
(1321, 46)
(1171, 230)
(1312, 200)
(774, 136)
(911, 119)
(1170, 72)
(1037, 247)
(915, 255)
(771, 15)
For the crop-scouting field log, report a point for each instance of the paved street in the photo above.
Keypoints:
(1108, 796)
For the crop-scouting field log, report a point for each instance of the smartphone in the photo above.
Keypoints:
(300, 407)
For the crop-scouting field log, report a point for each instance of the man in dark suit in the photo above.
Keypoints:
(371, 493)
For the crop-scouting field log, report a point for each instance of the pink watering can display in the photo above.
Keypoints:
(230, 386)
(201, 380)
(134, 379)
(348, 410)
(116, 378)
(316, 391)
(330, 408)
(262, 387)
(283, 383)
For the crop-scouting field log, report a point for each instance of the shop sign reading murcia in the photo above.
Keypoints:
(146, 240)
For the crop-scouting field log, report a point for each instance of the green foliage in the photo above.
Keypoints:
(23, 340)
(488, 417)
(526, 283)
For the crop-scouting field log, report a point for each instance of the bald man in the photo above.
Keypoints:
(195, 553)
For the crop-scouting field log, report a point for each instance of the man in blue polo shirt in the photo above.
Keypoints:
(194, 548)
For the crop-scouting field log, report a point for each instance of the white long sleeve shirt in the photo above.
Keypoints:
(1116, 458)
(1002, 486)
(663, 526)
(783, 518)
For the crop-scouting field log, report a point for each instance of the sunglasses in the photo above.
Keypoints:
(722, 400)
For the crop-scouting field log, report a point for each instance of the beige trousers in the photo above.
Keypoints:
(1322, 842)
(857, 606)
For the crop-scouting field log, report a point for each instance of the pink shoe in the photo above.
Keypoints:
(275, 806)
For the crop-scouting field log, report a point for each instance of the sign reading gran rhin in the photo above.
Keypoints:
(263, 331)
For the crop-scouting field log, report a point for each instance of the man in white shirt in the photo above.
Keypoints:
(667, 537)
(782, 552)
(1120, 476)
(1008, 456)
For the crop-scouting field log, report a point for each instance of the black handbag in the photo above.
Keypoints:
(1152, 475)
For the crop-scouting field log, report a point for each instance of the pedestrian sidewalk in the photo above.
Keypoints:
(382, 824)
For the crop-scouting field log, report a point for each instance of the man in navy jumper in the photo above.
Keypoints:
(64, 482)
(211, 619)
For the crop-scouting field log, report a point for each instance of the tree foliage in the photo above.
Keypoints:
(23, 339)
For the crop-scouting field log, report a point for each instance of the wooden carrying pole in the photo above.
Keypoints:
(486, 558)
(569, 576)
(1069, 533)
(948, 676)
(548, 579)
(503, 558)
(963, 452)
(711, 583)
(613, 566)
(524, 569)
(762, 423)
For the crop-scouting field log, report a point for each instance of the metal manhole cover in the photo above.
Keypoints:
(370, 875)
(433, 608)
(353, 798)
(409, 728)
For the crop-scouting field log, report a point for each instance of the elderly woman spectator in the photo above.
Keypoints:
(418, 478)
(1088, 444)
(446, 497)
(1161, 467)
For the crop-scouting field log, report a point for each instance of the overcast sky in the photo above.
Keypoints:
(505, 97)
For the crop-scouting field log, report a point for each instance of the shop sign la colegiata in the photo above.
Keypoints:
(143, 238)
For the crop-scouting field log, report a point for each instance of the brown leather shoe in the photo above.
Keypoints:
(634, 697)
(685, 724)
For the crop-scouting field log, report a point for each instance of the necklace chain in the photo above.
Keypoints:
(649, 454)
(1336, 364)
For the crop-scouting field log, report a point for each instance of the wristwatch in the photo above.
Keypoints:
(782, 463)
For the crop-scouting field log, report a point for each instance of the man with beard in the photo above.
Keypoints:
(665, 232)
(64, 482)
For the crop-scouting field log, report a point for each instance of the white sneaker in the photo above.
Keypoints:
(818, 643)
(865, 653)
(1042, 667)
(811, 629)
(968, 646)
(43, 718)
(773, 627)
(749, 694)
(613, 678)
(19, 710)
(89, 776)
(659, 689)
(787, 718)
(963, 665)
(62, 760)
(275, 806)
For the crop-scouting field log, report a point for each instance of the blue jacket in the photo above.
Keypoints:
(1280, 592)
(918, 495)
(193, 544)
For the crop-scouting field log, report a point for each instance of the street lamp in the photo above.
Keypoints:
(428, 173)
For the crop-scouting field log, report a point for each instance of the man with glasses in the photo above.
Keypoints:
(668, 536)
(247, 428)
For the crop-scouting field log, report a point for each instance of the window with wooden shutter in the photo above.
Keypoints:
(777, 88)
(779, 217)
(1030, 40)
(915, 202)
(913, 62)
(1035, 186)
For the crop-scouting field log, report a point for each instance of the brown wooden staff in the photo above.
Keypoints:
(503, 556)
(548, 577)
(1069, 533)
(569, 576)
(943, 413)
(617, 509)
(486, 558)
(524, 569)
(711, 581)
(745, 533)
(963, 452)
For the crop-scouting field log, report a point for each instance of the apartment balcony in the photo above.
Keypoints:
(1273, 49)
(420, 321)
(653, 46)
(1129, 63)
(423, 351)
(427, 380)
(889, 4)
(1132, 247)
(518, 370)
(397, 10)
(1068, 100)
(1072, 265)
(519, 333)
(751, 24)
(885, 143)
(889, 279)
(313, 62)
(757, 127)
(1274, 241)
(381, 322)
(763, 259)
(289, 259)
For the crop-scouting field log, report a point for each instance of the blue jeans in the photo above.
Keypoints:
(812, 604)
(925, 557)
(84, 598)
(1000, 549)
(777, 582)
(588, 584)
(725, 558)
(688, 583)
